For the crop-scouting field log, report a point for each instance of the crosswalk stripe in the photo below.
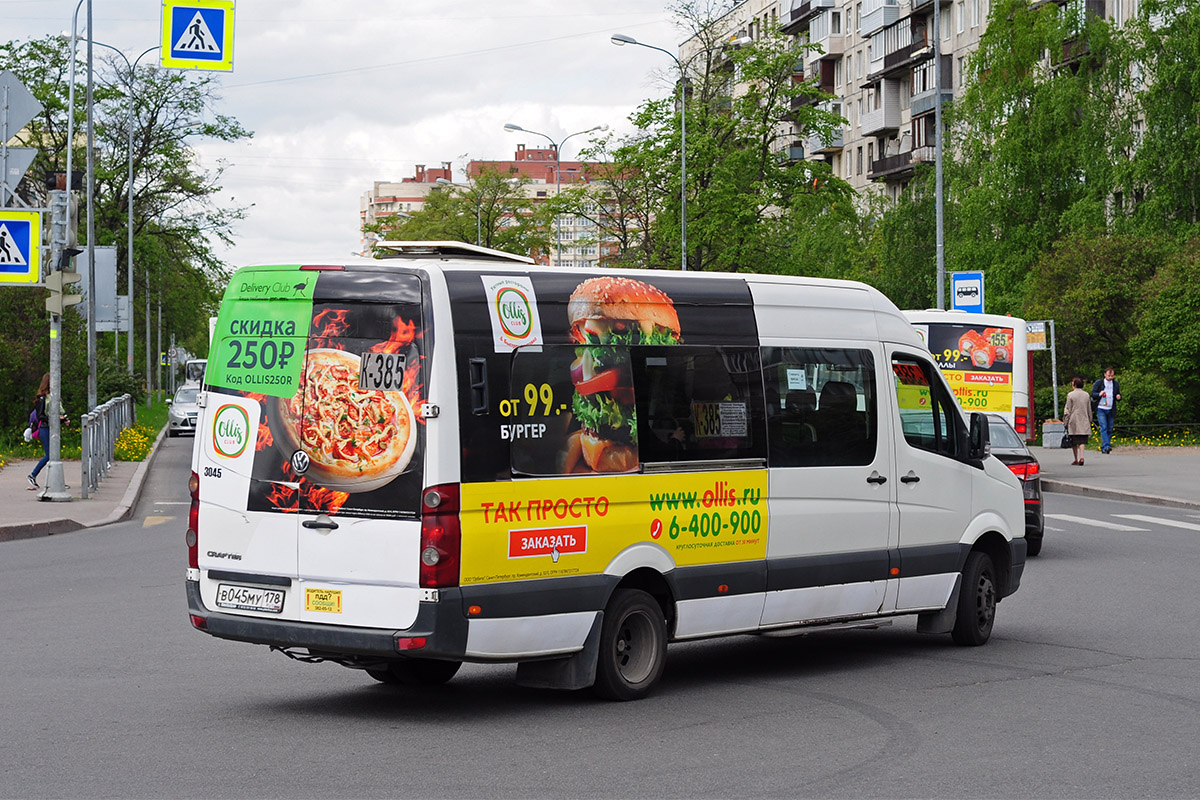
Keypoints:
(1096, 523)
(1174, 523)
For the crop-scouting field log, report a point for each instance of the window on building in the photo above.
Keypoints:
(837, 73)
(975, 13)
(835, 23)
(859, 158)
(944, 22)
(860, 64)
(960, 11)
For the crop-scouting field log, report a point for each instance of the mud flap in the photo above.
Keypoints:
(577, 671)
(941, 621)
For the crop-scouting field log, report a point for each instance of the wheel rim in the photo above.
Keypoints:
(985, 601)
(633, 647)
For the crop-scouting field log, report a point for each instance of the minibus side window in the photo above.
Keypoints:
(698, 403)
(928, 415)
(821, 406)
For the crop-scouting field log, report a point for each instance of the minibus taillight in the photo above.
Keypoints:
(1021, 421)
(192, 535)
(441, 536)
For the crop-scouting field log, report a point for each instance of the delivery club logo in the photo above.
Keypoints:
(515, 312)
(231, 430)
(553, 542)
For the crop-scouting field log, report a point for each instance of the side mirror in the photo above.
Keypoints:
(168, 401)
(979, 445)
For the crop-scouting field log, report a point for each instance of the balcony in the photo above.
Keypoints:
(891, 168)
(917, 5)
(802, 12)
(879, 18)
(813, 144)
(821, 74)
(792, 153)
(917, 50)
(886, 117)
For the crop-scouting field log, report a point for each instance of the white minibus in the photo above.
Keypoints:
(450, 454)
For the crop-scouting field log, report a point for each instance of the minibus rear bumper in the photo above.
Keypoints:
(440, 624)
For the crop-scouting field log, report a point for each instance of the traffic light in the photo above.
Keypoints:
(56, 281)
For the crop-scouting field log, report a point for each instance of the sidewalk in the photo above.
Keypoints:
(1165, 476)
(26, 516)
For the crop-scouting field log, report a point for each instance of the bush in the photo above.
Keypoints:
(133, 444)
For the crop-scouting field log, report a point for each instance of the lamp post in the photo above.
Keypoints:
(621, 40)
(557, 174)
(129, 217)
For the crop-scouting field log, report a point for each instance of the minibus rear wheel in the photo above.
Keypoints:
(416, 672)
(633, 646)
(976, 601)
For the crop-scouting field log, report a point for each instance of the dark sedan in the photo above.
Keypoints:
(1008, 447)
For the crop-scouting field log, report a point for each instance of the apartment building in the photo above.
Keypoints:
(577, 240)
(876, 57)
(385, 198)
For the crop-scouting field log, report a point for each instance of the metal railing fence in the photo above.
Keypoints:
(99, 430)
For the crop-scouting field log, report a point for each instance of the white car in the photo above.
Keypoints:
(181, 417)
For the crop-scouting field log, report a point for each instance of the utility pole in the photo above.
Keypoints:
(58, 279)
(937, 156)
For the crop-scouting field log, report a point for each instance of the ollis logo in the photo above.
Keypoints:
(514, 312)
(231, 431)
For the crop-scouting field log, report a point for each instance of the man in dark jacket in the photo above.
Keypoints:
(1105, 393)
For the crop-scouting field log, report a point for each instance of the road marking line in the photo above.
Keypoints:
(1097, 523)
(151, 521)
(1174, 523)
(173, 503)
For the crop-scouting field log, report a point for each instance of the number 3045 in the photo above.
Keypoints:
(212, 472)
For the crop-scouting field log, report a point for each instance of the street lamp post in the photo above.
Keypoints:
(621, 40)
(129, 219)
(557, 173)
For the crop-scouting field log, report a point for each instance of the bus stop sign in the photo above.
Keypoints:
(966, 291)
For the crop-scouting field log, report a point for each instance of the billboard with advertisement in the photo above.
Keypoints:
(977, 362)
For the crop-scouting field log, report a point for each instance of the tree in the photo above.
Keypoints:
(740, 115)
(1164, 171)
(176, 217)
(493, 208)
(1030, 156)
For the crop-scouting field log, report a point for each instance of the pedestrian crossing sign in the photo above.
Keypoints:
(20, 243)
(198, 34)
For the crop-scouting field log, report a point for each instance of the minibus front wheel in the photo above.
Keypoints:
(633, 646)
(976, 601)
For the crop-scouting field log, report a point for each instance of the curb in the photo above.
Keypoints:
(1063, 487)
(123, 511)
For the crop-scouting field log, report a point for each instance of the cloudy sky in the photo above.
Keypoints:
(340, 93)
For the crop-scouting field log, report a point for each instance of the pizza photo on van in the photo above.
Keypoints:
(354, 439)
(606, 316)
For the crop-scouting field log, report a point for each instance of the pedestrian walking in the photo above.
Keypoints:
(1078, 416)
(1106, 392)
(42, 420)
(42, 428)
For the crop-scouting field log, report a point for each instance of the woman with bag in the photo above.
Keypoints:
(1078, 415)
(42, 429)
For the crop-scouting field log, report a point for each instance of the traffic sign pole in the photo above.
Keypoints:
(56, 485)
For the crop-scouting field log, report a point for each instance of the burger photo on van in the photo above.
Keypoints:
(608, 316)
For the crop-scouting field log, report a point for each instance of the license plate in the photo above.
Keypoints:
(249, 598)
(381, 372)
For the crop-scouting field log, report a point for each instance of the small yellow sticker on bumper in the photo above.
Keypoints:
(327, 600)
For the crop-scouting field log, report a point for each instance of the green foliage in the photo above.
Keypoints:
(492, 211)
(175, 222)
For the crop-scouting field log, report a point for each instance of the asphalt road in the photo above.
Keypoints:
(1090, 687)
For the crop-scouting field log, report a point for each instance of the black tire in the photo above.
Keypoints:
(416, 672)
(1033, 545)
(633, 646)
(171, 434)
(976, 601)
